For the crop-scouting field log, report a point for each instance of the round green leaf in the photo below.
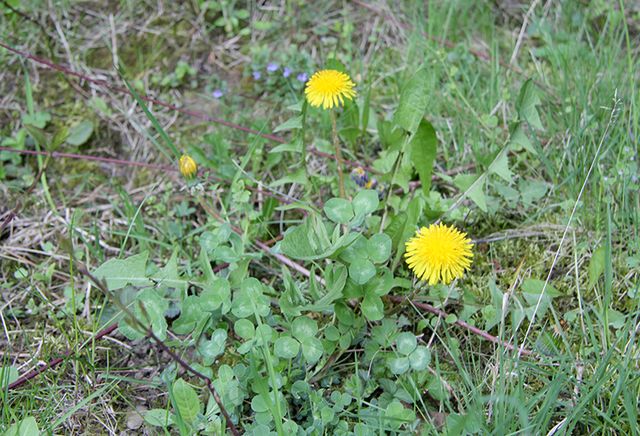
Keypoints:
(379, 247)
(338, 210)
(304, 327)
(406, 343)
(331, 333)
(365, 202)
(250, 300)
(210, 349)
(399, 365)
(286, 347)
(264, 333)
(208, 241)
(361, 271)
(396, 414)
(372, 307)
(354, 250)
(244, 328)
(225, 373)
(451, 318)
(344, 313)
(420, 358)
(311, 349)
(258, 404)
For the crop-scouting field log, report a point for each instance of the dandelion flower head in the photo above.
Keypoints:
(329, 88)
(188, 167)
(439, 253)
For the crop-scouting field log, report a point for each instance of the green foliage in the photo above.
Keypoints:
(413, 102)
(27, 427)
(297, 305)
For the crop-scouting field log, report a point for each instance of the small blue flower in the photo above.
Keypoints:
(256, 75)
(217, 93)
(302, 77)
(272, 67)
(286, 72)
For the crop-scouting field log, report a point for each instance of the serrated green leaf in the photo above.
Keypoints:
(526, 105)
(290, 124)
(152, 311)
(519, 140)
(472, 189)
(535, 286)
(413, 101)
(501, 167)
(120, 272)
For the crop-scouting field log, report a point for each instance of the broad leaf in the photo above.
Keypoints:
(526, 105)
(187, 401)
(423, 152)
(473, 188)
(80, 133)
(120, 272)
(413, 101)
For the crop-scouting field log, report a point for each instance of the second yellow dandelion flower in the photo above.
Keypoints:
(329, 88)
(439, 253)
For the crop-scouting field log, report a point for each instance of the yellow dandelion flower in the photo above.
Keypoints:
(329, 88)
(188, 167)
(439, 253)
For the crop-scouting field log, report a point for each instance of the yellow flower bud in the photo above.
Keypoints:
(188, 167)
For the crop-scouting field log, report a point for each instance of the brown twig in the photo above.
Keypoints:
(475, 330)
(160, 344)
(57, 361)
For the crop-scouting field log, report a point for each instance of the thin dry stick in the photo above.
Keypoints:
(160, 344)
(525, 21)
(58, 360)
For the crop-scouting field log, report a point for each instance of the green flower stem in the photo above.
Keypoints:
(396, 167)
(336, 144)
